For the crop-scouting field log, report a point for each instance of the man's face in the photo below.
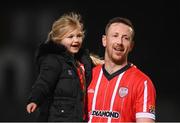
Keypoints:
(118, 42)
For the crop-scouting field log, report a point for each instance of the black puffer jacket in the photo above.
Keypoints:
(57, 90)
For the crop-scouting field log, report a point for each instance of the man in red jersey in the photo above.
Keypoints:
(119, 91)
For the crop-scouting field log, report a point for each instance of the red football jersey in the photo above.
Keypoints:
(120, 97)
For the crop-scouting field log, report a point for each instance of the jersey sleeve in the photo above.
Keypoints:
(145, 99)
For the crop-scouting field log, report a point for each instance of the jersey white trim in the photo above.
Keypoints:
(95, 94)
(114, 93)
(145, 115)
(145, 97)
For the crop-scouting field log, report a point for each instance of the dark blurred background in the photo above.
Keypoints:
(24, 25)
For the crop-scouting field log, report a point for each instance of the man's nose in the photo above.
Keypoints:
(120, 40)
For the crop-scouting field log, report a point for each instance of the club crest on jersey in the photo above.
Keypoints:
(123, 91)
(103, 113)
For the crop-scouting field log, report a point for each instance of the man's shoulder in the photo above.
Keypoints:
(139, 73)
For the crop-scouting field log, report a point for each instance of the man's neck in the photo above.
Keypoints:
(112, 67)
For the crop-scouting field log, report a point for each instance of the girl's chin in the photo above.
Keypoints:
(74, 51)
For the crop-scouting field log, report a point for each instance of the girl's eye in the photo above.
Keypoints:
(79, 35)
(71, 36)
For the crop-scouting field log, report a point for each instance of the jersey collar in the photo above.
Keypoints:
(110, 76)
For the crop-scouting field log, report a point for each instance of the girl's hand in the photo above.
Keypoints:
(31, 107)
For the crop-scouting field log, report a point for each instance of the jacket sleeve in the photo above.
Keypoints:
(45, 83)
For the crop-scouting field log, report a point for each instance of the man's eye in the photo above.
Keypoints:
(126, 38)
(115, 35)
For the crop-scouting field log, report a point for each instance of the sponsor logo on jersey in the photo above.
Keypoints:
(102, 113)
(123, 91)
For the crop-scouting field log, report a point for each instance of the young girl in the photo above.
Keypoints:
(64, 73)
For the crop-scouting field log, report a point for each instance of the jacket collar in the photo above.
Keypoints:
(51, 47)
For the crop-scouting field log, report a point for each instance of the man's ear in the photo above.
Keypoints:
(132, 46)
(104, 40)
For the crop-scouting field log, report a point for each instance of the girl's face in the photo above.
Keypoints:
(72, 41)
